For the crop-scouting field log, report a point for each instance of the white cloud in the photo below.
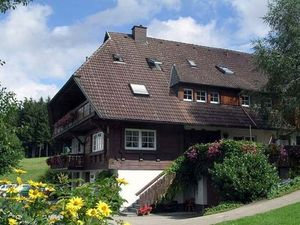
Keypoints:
(34, 52)
(186, 29)
(250, 17)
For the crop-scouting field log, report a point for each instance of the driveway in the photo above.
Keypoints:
(247, 210)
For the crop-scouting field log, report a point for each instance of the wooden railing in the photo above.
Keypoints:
(155, 190)
(72, 117)
(66, 161)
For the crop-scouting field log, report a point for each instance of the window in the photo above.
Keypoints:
(118, 58)
(136, 139)
(192, 63)
(244, 138)
(245, 100)
(269, 103)
(98, 142)
(201, 96)
(188, 94)
(139, 89)
(214, 98)
(225, 70)
(154, 63)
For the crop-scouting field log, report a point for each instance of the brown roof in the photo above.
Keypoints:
(107, 83)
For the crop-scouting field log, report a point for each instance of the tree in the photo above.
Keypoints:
(278, 56)
(11, 150)
(11, 4)
(35, 130)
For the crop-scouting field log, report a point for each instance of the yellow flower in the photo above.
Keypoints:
(93, 213)
(126, 223)
(75, 204)
(12, 221)
(19, 180)
(19, 171)
(36, 184)
(12, 190)
(20, 198)
(5, 181)
(79, 222)
(103, 208)
(50, 189)
(122, 181)
(34, 194)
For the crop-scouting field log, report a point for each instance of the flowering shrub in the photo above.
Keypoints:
(46, 204)
(213, 150)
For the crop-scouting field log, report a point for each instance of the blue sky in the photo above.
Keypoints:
(45, 42)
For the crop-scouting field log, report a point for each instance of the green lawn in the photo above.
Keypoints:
(289, 215)
(35, 167)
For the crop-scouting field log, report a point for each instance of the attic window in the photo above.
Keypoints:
(118, 58)
(154, 63)
(192, 63)
(225, 70)
(139, 89)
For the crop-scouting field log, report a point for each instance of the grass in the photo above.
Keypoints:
(35, 167)
(288, 215)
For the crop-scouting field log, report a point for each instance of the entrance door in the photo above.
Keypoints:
(192, 137)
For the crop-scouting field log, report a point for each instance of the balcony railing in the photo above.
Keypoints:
(66, 161)
(72, 117)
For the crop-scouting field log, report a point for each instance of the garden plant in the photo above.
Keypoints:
(45, 204)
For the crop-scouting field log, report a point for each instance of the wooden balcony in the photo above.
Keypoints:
(73, 117)
(66, 161)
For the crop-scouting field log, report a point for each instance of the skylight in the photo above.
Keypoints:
(139, 89)
(225, 70)
(118, 58)
(192, 63)
(154, 63)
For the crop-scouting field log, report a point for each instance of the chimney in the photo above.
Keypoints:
(139, 33)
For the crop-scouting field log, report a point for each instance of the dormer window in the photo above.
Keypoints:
(154, 63)
(192, 63)
(188, 94)
(225, 70)
(245, 100)
(201, 96)
(139, 89)
(118, 58)
(214, 98)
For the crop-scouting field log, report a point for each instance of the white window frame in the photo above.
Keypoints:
(198, 94)
(214, 102)
(97, 147)
(187, 99)
(243, 100)
(140, 140)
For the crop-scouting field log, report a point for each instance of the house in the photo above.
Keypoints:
(138, 103)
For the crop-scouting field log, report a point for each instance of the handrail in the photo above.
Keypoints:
(150, 183)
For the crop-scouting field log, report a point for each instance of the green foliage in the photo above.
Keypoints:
(244, 178)
(222, 207)
(52, 176)
(45, 204)
(34, 124)
(10, 148)
(284, 188)
(11, 4)
(277, 55)
(8, 107)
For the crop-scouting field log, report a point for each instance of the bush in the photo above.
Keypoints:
(245, 177)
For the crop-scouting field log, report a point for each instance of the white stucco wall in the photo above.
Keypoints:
(201, 192)
(137, 179)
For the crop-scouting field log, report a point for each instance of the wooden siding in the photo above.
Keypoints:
(169, 140)
(227, 96)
